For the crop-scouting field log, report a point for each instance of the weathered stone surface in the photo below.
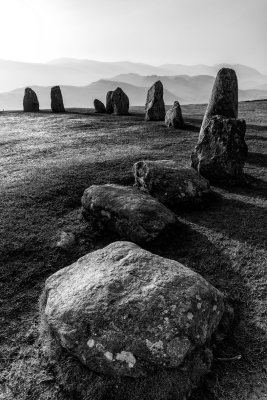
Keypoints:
(30, 101)
(155, 107)
(57, 104)
(134, 215)
(221, 151)
(99, 107)
(175, 186)
(124, 311)
(224, 97)
(120, 102)
(173, 117)
(109, 105)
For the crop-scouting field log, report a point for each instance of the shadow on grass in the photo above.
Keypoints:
(257, 159)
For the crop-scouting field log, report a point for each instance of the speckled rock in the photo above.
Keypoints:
(99, 107)
(120, 102)
(134, 215)
(221, 151)
(224, 97)
(173, 117)
(30, 101)
(155, 107)
(124, 311)
(57, 105)
(109, 105)
(175, 186)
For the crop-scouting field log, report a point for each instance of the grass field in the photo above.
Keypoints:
(46, 163)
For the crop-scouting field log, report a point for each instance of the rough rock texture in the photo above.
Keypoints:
(155, 107)
(221, 151)
(109, 105)
(57, 104)
(175, 186)
(173, 117)
(120, 102)
(224, 97)
(134, 215)
(124, 311)
(99, 107)
(30, 101)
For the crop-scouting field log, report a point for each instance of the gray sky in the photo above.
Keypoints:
(150, 31)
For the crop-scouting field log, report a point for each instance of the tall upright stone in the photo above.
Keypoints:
(224, 97)
(120, 102)
(155, 107)
(30, 101)
(57, 104)
(174, 117)
(109, 105)
(99, 107)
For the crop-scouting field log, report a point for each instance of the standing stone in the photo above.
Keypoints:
(224, 97)
(57, 104)
(109, 105)
(155, 107)
(99, 107)
(124, 311)
(174, 116)
(30, 101)
(221, 151)
(120, 102)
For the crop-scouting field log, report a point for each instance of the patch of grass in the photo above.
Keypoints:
(47, 161)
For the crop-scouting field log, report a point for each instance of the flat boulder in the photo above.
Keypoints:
(224, 97)
(134, 215)
(155, 107)
(109, 105)
(120, 102)
(123, 311)
(174, 117)
(30, 101)
(57, 105)
(221, 150)
(174, 186)
(99, 107)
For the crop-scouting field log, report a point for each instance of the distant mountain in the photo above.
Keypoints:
(68, 71)
(186, 89)
(80, 96)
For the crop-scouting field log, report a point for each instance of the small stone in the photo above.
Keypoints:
(155, 107)
(173, 117)
(99, 107)
(57, 104)
(30, 101)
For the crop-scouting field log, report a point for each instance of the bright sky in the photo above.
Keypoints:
(150, 31)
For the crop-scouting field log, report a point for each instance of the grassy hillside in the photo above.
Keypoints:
(48, 160)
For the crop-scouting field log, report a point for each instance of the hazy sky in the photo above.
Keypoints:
(150, 31)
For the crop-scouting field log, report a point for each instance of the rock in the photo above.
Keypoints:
(124, 311)
(221, 150)
(173, 117)
(134, 215)
(120, 102)
(109, 105)
(224, 97)
(99, 107)
(175, 186)
(66, 241)
(155, 107)
(57, 105)
(30, 101)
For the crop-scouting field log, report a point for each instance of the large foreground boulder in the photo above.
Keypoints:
(155, 107)
(120, 102)
(224, 97)
(30, 101)
(175, 186)
(109, 105)
(134, 215)
(221, 150)
(173, 117)
(124, 311)
(99, 107)
(57, 105)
